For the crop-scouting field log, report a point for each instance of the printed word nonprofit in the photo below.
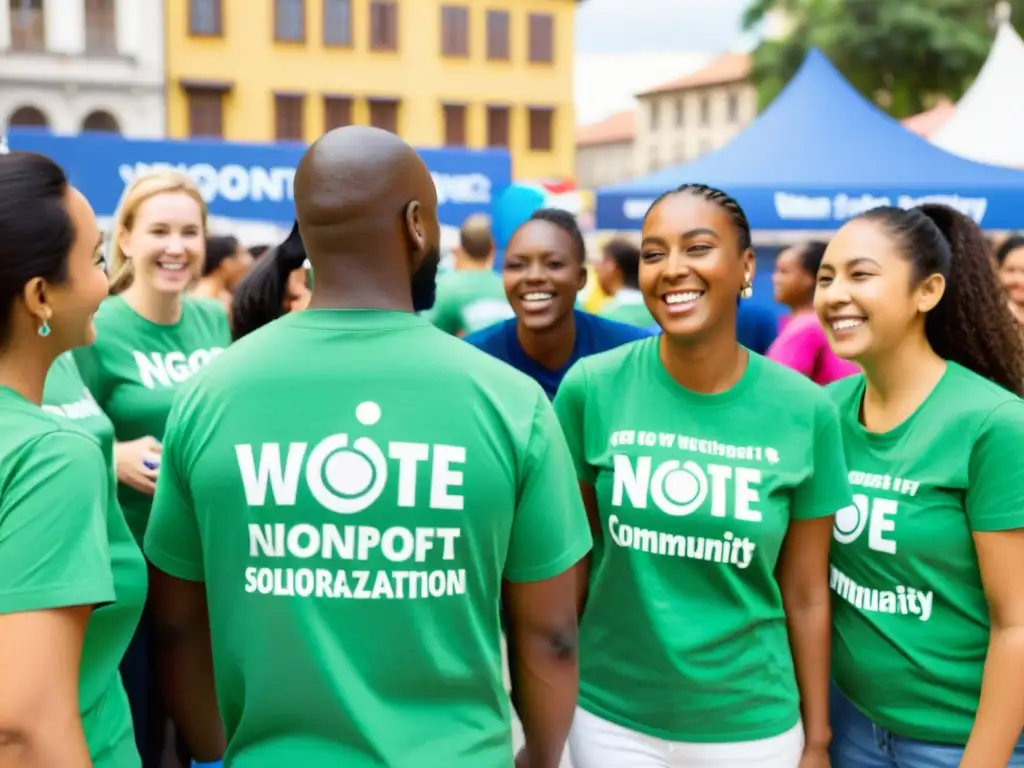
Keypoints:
(354, 543)
(903, 600)
(348, 479)
(165, 369)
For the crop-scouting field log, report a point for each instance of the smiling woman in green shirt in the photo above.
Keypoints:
(928, 566)
(710, 476)
(72, 579)
(151, 339)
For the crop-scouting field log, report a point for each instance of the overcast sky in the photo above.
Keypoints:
(628, 26)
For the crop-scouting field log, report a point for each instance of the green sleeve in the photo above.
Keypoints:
(550, 533)
(53, 527)
(826, 488)
(445, 314)
(172, 541)
(88, 361)
(995, 474)
(570, 405)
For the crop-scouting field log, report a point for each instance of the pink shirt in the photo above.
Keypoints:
(803, 346)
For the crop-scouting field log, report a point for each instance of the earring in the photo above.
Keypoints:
(44, 329)
(748, 287)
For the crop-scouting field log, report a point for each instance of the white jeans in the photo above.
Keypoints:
(597, 743)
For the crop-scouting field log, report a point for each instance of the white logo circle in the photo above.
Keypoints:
(679, 490)
(348, 480)
(850, 521)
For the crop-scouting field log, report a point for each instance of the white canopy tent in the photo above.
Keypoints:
(986, 126)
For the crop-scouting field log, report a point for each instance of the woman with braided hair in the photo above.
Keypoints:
(928, 566)
(711, 476)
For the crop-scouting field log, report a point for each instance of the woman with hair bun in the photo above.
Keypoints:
(278, 283)
(72, 578)
(927, 567)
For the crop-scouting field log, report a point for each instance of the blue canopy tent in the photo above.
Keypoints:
(820, 154)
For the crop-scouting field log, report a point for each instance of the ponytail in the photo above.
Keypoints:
(259, 296)
(972, 324)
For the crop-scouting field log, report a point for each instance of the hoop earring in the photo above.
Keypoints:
(44, 329)
(747, 292)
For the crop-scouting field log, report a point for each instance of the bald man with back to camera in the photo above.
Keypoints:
(345, 495)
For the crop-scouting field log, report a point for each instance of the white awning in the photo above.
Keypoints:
(987, 124)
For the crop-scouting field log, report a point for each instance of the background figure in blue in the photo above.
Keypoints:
(756, 326)
(543, 271)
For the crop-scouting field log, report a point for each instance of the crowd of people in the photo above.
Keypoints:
(708, 544)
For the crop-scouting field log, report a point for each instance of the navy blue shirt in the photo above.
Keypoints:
(593, 334)
(756, 327)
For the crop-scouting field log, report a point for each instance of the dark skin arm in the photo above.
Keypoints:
(543, 633)
(1000, 717)
(182, 643)
(802, 573)
(40, 724)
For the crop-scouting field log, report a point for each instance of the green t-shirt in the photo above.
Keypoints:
(135, 366)
(111, 627)
(909, 605)
(354, 592)
(627, 306)
(468, 300)
(55, 553)
(684, 634)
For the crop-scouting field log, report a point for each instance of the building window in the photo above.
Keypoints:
(542, 129)
(28, 28)
(205, 18)
(337, 22)
(290, 21)
(100, 122)
(337, 112)
(454, 30)
(455, 125)
(705, 110)
(100, 26)
(653, 114)
(734, 108)
(205, 112)
(28, 117)
(289, 124)
(542, 38)
(498, 48)
(680, 112)
(384, 25)
(498, 127)
(384, 114)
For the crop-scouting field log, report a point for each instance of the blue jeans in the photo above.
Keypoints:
(859, 743)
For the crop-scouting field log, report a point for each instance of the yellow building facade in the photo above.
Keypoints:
(448, 65)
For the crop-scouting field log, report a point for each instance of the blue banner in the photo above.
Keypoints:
(249, 182)
(826, 210)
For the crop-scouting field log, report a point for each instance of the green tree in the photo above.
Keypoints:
(900, 53)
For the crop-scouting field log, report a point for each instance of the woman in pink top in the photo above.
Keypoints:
(802, 344)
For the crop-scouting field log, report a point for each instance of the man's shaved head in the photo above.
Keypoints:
(367, 210)
(475, 237)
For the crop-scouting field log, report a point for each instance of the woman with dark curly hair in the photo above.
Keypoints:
(928, 651)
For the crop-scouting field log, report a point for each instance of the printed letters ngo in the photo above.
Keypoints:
(349, 480)
(166, 369)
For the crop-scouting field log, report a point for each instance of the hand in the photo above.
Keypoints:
(130, 463)
(815, 757)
